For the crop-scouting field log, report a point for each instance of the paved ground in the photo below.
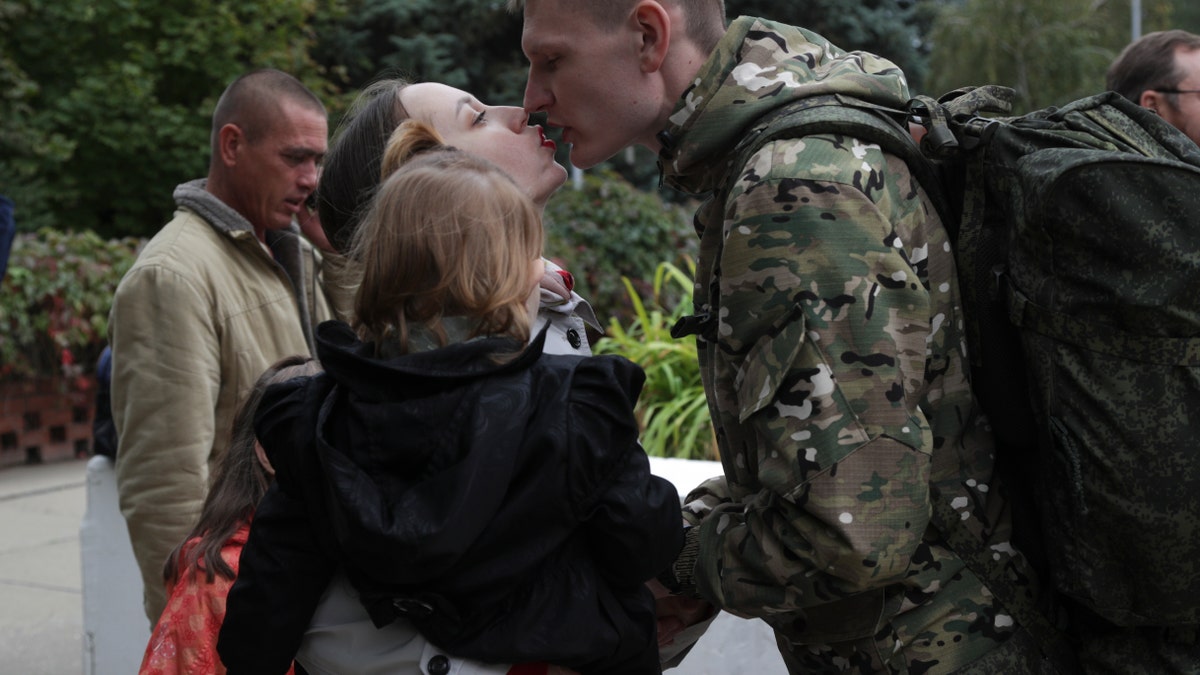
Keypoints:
(41, 610)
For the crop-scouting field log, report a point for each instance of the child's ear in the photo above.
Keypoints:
(262, 459)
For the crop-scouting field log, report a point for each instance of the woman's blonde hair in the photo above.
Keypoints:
(448, 234)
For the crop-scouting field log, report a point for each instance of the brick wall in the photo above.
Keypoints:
(45, 420)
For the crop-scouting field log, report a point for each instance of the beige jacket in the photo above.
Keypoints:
(202, 313)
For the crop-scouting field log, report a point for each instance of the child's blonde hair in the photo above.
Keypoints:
(448, 234)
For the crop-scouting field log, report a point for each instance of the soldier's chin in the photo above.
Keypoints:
(585, 157)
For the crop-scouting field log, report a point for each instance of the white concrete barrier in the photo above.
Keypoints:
(115, 629)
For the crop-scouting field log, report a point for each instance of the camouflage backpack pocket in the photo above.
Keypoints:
(1105, 291)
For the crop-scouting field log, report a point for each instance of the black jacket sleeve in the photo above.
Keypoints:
(284, 568)
(633, 518)
(281, 578)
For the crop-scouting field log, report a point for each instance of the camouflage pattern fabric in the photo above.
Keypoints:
(835, 364)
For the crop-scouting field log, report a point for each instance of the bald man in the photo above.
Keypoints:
(227, 287)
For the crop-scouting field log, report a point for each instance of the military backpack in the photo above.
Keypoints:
(1077, 240)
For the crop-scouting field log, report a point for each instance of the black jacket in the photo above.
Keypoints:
(507, 510)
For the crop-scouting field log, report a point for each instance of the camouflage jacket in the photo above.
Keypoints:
(834, 362)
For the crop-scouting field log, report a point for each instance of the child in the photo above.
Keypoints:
(200, 570)
(493, 495)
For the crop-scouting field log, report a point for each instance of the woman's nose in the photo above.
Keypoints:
(515, 117)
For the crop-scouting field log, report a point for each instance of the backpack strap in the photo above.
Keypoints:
(846, 116)
(957, 133)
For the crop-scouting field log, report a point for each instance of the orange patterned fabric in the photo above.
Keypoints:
(184, 641)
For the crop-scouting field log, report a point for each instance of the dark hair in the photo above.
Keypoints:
(252, 101)
(239, 483)
(350, 174)
(1148, 64)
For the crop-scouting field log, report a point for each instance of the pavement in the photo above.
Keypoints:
(41, 597)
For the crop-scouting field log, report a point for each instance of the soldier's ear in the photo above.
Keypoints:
(653, 24)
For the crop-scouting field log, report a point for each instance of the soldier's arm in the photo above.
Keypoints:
(822, 333)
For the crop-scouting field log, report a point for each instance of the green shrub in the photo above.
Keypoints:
(609, 229)
(54, 301)
(672, 409)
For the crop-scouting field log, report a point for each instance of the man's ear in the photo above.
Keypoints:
(654, 26)
(230, 140)
(1150, 99)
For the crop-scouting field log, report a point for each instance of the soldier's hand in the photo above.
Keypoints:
(675, 612)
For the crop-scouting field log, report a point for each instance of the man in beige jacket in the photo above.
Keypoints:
(226, 288)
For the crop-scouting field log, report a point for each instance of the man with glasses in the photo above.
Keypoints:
(1161, 71)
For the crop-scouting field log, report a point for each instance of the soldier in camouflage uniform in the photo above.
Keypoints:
(830, 336)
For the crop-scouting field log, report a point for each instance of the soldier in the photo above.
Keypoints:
(830, 337)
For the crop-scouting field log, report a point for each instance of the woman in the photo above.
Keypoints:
(341, 637)
(493, 495)
(499, 134)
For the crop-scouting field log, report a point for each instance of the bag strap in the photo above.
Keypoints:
(957, 132)
(846, 116)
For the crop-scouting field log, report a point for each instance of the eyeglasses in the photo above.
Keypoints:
(1178, 91)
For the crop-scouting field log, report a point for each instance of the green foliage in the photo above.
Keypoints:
(672, 408)
(474, 45)
(54, 301)
(124, 92)
(608, 230)
(1050, 51)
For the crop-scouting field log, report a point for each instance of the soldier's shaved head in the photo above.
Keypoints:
(704, 25)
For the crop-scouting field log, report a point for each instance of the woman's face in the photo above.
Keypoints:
(500, 134)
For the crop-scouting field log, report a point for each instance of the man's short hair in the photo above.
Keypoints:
(1148, 64)
(705, 18)
(252, 100)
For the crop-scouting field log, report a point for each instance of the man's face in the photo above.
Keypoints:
(589, 81)
(1185, 113)
(276, 173)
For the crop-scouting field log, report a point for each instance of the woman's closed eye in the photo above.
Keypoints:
(479, 119)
